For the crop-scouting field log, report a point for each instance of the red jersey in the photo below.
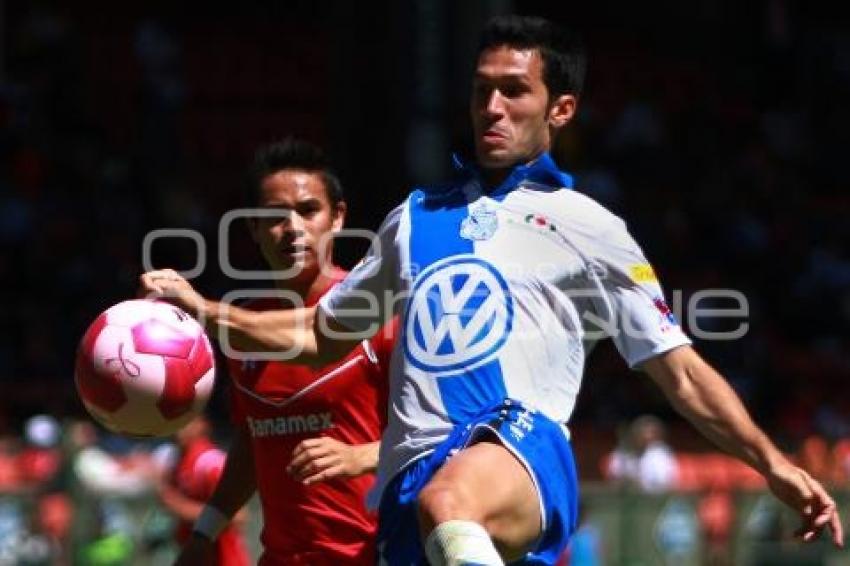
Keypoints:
(195, 476)
(282, 404)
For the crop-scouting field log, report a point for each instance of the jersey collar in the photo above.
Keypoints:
(542, 171)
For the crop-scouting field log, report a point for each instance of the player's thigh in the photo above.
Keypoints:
(485, 483)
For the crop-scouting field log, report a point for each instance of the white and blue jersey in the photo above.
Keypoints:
(502, 294)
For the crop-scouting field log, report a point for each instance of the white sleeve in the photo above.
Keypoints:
(364, 299)
(630, 299)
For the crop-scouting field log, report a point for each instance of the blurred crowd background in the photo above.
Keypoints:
(717, 129)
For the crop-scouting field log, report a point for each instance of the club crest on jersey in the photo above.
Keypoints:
(459, 315)
(481, 223)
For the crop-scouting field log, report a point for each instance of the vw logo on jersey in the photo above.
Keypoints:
(459, 315)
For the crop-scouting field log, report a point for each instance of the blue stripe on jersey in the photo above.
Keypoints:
(464, 393)
(434, 236)
(435, 230)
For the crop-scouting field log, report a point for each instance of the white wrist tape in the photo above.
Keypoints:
(211, 522)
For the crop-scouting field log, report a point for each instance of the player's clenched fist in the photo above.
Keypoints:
(169, 285)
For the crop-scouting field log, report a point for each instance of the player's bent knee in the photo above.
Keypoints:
(442, 501)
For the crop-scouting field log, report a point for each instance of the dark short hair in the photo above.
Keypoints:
(292, 153)
(564, 58)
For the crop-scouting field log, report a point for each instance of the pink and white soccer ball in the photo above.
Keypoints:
(144, 368)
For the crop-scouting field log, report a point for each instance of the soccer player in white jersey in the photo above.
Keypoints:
(504, 279)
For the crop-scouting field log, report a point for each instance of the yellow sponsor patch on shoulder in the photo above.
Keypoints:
(642, 273)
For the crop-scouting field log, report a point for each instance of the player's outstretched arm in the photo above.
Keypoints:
(324, 458)
(289, 331)
(234, 488)
(704, 397)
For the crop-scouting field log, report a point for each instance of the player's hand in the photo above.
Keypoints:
(797, 489)
(323, 458)
(198, 550)
(169, 285)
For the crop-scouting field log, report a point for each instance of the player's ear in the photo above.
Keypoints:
(339, 215)
(562, 110)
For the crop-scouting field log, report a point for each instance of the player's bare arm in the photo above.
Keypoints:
(236, 485)
(704, 397)
(234, 489)
(296, 331)
(325, 458)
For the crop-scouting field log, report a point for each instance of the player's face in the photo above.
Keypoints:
(303, 238)
(513, 117)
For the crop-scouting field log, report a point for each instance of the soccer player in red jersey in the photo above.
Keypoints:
(192, 481)
(305, 438)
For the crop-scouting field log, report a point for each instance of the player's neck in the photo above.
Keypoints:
(493, 177)
(308, 287)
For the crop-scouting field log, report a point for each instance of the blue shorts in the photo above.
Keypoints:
(539, 443)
